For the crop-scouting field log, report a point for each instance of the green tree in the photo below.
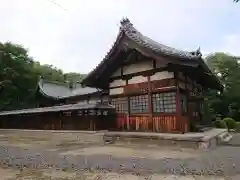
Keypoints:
(228, 69)
(17, 77)
(48, 72)
(74, 77)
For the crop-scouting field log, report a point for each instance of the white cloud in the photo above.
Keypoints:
(77, 39)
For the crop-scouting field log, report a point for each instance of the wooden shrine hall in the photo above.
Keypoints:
(151, 86)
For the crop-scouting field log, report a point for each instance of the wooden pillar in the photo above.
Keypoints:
(179, 122)
(150, 108)
(128, 113)
(60, 120)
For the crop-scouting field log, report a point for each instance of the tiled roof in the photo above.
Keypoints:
(132, 33)
(62, 90)
(128, 30)
(78, 106)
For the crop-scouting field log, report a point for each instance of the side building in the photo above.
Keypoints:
(63, 106)
(152, 86)
(50, 93)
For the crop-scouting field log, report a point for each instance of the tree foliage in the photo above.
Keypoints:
(228, 69)
(19, 75)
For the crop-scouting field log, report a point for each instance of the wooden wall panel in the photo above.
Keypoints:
(158, 123)
(166, 123)
(140, 123)
(122, 121)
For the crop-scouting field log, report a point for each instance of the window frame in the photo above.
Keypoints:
(120, 104)
(139, 104)
(164, 102)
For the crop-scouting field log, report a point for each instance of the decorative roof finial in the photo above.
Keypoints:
(198, 52)
(125, 23)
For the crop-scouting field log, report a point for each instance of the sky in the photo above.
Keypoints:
(75, 35)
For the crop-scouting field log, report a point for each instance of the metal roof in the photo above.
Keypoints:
(78, 106)
(58, 90)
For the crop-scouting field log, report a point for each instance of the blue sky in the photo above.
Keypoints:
(77, 39)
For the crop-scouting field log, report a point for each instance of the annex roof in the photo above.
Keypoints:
(68, 107)
(59, 90)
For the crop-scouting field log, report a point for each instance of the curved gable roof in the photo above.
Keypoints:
(129, 32)
(132, 33)
(58, 90)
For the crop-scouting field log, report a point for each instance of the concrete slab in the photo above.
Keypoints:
(203, 140)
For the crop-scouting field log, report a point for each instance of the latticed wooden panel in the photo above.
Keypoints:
(165, 123)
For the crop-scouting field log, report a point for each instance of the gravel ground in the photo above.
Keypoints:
(224, 161)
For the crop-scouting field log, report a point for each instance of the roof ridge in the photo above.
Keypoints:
(131, 31)
(54, 82)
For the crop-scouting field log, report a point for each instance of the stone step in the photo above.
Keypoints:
(224, 138)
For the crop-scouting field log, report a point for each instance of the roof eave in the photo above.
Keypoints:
(45, 94)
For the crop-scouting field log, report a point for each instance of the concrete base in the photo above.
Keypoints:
(205, 140)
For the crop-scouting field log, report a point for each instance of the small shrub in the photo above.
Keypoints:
(231, 123)
(237, 126)
(220, 124)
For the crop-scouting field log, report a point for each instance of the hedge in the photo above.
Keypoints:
(231, 123)
(237, 126)
(220, 124)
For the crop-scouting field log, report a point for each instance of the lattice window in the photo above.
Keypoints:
(164, 102)
(139, 104)
(120, 104)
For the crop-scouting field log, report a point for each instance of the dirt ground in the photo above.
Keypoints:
(49, 174)
(84, 144)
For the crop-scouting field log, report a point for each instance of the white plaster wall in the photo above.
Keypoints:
(137, 79)
(118, 82)
(162, 75)
(116, 91)
(141, 66)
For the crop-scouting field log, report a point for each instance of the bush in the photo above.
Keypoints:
(220, 124)
(231, 123)
(237, 126)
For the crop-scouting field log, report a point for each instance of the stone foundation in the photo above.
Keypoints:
(206, 140)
